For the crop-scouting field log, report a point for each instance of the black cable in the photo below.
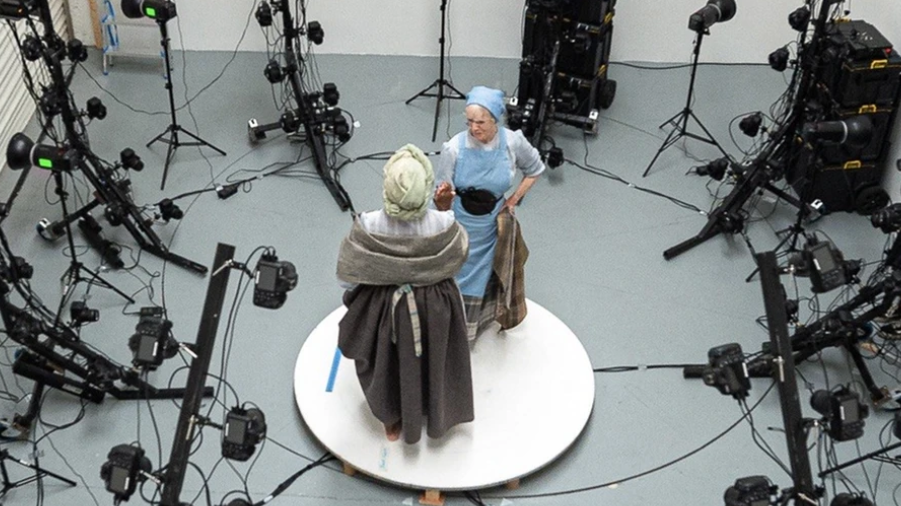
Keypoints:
(325, 458)
(649, 471)
(629, 368)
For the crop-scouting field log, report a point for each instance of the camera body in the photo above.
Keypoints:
(123, 470)
(273, 279)
(844, 412)
(727, 371)
(241, 432)
(827, 267)
(749, 491)
(151, 342)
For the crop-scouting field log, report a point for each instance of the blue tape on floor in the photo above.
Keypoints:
(334, 372)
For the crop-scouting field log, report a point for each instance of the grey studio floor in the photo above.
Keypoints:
(595, 263)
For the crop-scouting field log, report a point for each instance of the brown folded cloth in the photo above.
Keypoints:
(510, 258)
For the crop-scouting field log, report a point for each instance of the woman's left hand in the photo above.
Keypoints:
(510, 205)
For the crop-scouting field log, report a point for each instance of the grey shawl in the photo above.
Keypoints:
(373, 259)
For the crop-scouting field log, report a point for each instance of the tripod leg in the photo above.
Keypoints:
(170, 153)
(460, 94)
(160, 137)
(95, 279)
(424, 92)
(201, 141)
(674, 135)
(437, 114)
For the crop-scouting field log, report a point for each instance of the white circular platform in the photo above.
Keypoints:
(533, 392)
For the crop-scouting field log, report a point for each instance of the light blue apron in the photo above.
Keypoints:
(485, 170)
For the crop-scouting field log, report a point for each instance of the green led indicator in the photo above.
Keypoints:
(45, 163)
(150, 12)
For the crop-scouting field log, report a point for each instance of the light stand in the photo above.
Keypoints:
(107, 191)
(680, 120)
(174, 128)
(441, 83)
(760, 173)
(39, 473)
(77, 272)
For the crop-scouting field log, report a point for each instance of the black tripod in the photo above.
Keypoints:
(173, 129)
(680, 120)
(39, 473)
(441, 83)
(77, 272)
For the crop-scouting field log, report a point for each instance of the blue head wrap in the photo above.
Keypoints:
(489, 98)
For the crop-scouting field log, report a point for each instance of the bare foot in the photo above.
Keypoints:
(393, 431)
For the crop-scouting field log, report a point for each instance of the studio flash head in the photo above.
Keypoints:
(272, 281)
(159, 10)
(716, 11)
(22, 152)
(750, 491)
(727, 371)
(125, 467)
(842, 411)
(241, 432)
(856, 131)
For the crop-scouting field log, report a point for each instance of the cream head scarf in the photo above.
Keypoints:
(409, 182)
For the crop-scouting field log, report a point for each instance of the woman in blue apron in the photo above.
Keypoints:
(476, 170)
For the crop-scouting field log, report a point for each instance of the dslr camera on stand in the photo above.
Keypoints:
(273, 279)
(727, 371)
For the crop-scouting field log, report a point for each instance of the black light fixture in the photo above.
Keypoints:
(160, 10)
(856, 131)
(22, 152)
(716, 11)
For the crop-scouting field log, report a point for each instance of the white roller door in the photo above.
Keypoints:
(17, 106)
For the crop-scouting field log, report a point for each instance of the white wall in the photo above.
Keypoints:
(645, 30)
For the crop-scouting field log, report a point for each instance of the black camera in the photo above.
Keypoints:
(170, 211)
(887, 219)
(750, 491)
(272, 281)
(799, 19)
(750, 125)
(843, 411)
(264, 14)
(715, 169)
(827, 267)
(846, 499)
(242, 431)
(80, 313)
(778, 59)
(273, 72)
(727, 371)
(152, 341)
(126, 465)
(18, 269)
(315, 32)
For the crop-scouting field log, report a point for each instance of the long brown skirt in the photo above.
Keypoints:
(398, 385)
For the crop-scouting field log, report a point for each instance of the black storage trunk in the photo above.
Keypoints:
(584, 29)
(861, 75)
